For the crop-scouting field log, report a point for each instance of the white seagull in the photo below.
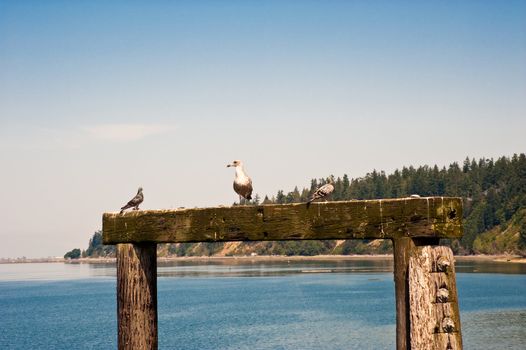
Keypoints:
(242, 182)
(322, 191)
(135, 201)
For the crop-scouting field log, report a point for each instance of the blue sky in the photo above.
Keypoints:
(100, 97)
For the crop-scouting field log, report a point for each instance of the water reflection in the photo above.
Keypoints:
(488, 266)
(239, 267)
(259, 267)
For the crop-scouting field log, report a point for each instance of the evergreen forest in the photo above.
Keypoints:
(493, 193)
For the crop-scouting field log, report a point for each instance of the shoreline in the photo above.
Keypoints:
(495, 258)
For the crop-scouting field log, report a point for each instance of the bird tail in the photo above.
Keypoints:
(122, 211)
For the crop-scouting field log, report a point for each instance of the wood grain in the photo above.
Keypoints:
(402, 248)
(439, 217)
(433, 303)
(137, 296)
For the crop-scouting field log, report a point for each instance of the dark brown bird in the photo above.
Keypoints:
(135, 201)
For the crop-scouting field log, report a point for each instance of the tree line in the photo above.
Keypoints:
(493, 192)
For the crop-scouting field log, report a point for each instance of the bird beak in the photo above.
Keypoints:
(228, 165)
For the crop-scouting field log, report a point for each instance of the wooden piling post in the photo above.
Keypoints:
(409, 222)
(137, 296)
(434, 314)
(402, 248)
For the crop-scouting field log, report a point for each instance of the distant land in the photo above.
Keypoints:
(494, 198)
(30, 260)
(258, 258)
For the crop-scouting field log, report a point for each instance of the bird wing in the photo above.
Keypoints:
(322, 191)
(249, 189)
(244, 189)
(327, 189)
(134, 201)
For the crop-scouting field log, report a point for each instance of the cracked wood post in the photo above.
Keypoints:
(403, 248)
(137, 296)
(434, 313)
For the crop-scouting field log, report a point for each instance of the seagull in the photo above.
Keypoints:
(242, 183)
(322, 191)
(134, 202)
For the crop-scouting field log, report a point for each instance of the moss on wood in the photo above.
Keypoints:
(365, 219)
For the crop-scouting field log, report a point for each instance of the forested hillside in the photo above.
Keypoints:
(494, 194)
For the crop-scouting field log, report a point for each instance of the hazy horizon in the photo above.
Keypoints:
(97, 99)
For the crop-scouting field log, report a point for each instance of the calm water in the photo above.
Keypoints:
(251, 305)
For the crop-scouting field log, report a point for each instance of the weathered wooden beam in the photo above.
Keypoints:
(361, 219)
(434, 313)
(137, 296)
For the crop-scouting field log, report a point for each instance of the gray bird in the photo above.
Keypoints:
(322, 191)
(242, 182)
(135, 201)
